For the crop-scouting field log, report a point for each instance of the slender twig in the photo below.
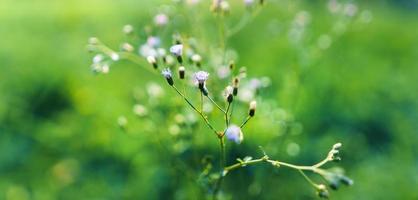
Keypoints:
(219, 107)
(195, 109)
(245, 121)
(247, 18)
(226, 114)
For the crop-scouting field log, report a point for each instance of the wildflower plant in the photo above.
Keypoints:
(207, 79)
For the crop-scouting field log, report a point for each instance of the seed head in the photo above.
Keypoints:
(234, 133)
(253, 106)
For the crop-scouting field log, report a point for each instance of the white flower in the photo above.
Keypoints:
(151, 60)
(253, 105)
(166, 73)
(140, 110)
(234, 133)
(177, 49)
(105, 69)
(146, 50)
(228, 91)
(196, 58)
(154, 90)
(161, 52)
(114, 56)
(161, 19)
(223, 72)
(248, 3)
(201, 77)
(98, 58)
(128, 29)
(127, 47)
(153, 41)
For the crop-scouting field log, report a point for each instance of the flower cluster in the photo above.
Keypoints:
(184, 65)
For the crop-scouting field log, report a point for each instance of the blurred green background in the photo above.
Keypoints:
(59, 137)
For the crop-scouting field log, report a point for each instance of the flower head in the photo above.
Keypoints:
(234, 133)
(153, 41)
(166, 73)
(201, 77)
(177, 50)
(168, 76)
(161, 19)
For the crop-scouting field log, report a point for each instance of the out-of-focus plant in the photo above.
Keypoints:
(208, 68)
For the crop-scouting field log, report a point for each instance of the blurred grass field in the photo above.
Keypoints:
(58, 133)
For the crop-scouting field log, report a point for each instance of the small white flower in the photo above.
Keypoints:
(145, 51)
(127, 47)
(201, 77)
(223, 72)
(161, 19)
(105, 69)
(225, 6)
(177, 49)
(128, 29)
(196, 58)
(140, 110)
(161, 52)
(248, 3)
(153, 41)
(151, 60)
(154, 90)
(114, 56)
(166, 73)
(98, 58)
(93, 41)
(234, 133)
(253, 105)
(228, 91)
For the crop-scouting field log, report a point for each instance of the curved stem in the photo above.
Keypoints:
(214, 103)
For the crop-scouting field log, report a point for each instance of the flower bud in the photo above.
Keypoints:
(182, 72)
(253, 105)
(228, 94)
(128, 29)
(231, 65)
(127, 47)
(93, 41)
(235, 85)
(196, 58)
(114, 56)
(151, 60)
(177, 50)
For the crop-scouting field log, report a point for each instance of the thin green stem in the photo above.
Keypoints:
(308, 179)
(245, 121)
(195, 109)
(201, 101)
(219, 107)
(222, 163)
(226, 115)
(247, 18)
